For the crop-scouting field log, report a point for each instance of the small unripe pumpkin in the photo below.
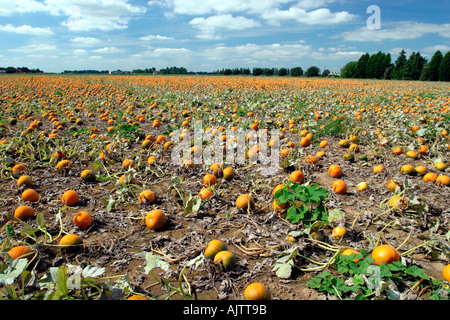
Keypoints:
(213, 247)
(155, 219)
(348, 252)
(256, 291)
(226, 259)
(228, 173)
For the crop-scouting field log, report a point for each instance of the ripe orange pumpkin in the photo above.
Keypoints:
(146, 196)
(397, 150)
(338, 232)
(209, 180)
(226, 259)
(339, 186)
(349, 251)
(323, 143)
(19, 252)
(439, 165)
(24, 212)
(256, 291)
(137, 297)
(83, 219)
(213, 247)
(128, 163)
(245, 201)
(63, 165)
(443, 180)
(297, 176)
(430, 177)
(30, 195)
(304, 142)
(205, 193)
(446, 273)
(384, 254)
(335, 171)
(24, 180)
(155, 219)
(18, 167)
(70, 198)
(70, 242)
(88, 176)
(228, 173)
(378, 169)
(408, 169)
(412, 154)
(217, 169)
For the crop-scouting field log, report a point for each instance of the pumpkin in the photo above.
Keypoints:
(228, 173)
(30, 195)
(82, 219)
(384, 254)
(209, 180)
(339, 186)
(156, 219)
(19, 252)
(226, 259)
(446, 273)
(213, 247)
(24, 212)
(338, 232)
(297, 176)
(146, 196)
(245, 201)
(70, 242)
(63, 165)
(24, 180)
(88, 176)
(70, 198)
(205, 193)
(18, 167)
(349, 252)
(137, 297)
(217, 169)
(443, 180)
(335, 171)
(256, 291)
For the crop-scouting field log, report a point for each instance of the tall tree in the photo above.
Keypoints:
(444, 68)
(349, 70)
(431, 71)
(399, 70)
(414, 66)
(312, 71)
(296, 72)
(361, 67)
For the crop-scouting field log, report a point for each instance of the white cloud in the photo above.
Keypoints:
(26, 29)
(85, 41)
(322, 16)
(432, 49)
(208, 26)
(33, 48)
(8, 8)
(155, 37)
(79, 52)
(108, 50)
(400, 31)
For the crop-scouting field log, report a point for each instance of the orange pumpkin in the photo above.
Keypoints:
(339, 186)
(24, 212)
(256, 291)
(384, 254)
(146, 196)
(30, 195)
(245, 201)
(226, 259)
(83, 219)
(70, 198)
(213, 247)
(19, 252)
(155, 219)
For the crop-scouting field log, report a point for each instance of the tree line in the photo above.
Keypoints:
(414, 67)
(19, 70)
(312, 71)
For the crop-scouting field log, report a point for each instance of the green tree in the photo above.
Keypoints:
(414, 66)
(349, 70)
(444, 68)
(257, 71)
(282, 72)
(362, 66)
(325, 73)
(399, 70)
(312, 71)
(296, 72)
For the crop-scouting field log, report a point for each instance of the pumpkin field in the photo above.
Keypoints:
(93, 205)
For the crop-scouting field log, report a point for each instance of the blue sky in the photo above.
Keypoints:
(57, 35)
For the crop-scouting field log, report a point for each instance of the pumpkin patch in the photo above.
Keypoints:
(226, 187)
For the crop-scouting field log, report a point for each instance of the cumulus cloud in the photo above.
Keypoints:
(398, 31)
(108, 50)
(208, 26)
(152, 37)
(26, 29)
(85, 41)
